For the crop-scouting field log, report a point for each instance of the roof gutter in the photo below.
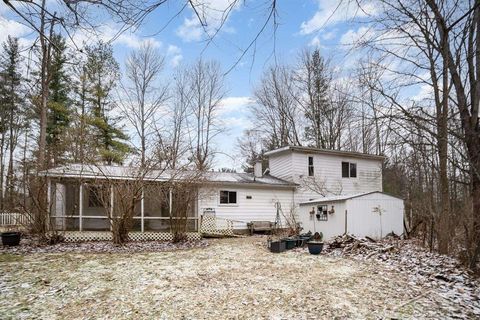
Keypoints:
(325, 151)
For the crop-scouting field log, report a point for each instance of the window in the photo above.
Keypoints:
(228, 197)
(310, 167)
(349, 170)
(322, 213)
(353, 170)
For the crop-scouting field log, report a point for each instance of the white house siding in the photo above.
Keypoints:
(364, 221)
(281, 166)
(328, 175)
(261, 207)
(334, 226)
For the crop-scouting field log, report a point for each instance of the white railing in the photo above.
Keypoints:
(12, 219)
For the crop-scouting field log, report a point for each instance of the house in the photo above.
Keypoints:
(297, 180)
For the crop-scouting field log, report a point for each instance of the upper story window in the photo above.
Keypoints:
(228, 197)
(349, 170)
(311, 170)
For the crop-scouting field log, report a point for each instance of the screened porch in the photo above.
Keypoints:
(78, 206)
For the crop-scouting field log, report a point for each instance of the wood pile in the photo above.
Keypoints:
(367, 247)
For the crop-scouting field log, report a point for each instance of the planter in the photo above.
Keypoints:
(277, 246)
(315, 247)
(290, 243)
(11, 238)
(302, 241)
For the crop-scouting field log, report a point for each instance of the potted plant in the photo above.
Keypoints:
(277, 246)
(11, 238)
(315, 246)
(290, 242)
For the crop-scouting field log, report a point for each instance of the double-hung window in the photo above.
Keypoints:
(228, 197)
(349, 170)
(311, 170)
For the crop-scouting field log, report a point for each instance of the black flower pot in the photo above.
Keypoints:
(277, 246)
(11, 238)
(315, 247)
(290, 243)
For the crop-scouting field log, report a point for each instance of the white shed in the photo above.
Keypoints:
(373, 214)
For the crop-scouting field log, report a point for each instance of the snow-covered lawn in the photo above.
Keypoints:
(230, 278)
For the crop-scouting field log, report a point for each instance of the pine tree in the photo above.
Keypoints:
(12, 110)
(102, 71)
(59, 103)
(318, 104)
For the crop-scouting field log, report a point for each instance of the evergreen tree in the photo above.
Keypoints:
(102, 71)
(59, 103)
(12, 112)
(317, 86)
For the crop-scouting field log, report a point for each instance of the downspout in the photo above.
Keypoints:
(346, 222)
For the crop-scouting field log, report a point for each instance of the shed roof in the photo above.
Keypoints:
(324, 151)
(343, 197)
(90, 171)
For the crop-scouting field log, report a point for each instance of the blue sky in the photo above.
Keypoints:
(316, 23)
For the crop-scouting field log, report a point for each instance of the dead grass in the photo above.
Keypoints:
(231, 278)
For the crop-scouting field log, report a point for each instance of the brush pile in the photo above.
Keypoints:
(367, 247)
(440, 276)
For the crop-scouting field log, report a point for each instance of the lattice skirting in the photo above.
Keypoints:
(81, 236)
(216, 226)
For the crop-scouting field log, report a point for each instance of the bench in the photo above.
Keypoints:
(260, 226)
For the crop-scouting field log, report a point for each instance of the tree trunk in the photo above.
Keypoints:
(442, 144)
(2, 170)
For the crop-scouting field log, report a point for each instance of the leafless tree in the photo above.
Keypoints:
(171, 134)
(143, 95)
(434, 44)
(206, 89)
(120, 198)
(276, 110)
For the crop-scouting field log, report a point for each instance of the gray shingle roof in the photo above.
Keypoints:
(86, 171)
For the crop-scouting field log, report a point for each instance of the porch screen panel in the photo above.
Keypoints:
(156, 212)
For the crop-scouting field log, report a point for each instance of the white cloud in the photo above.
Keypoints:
(11, 28)
(332, 12)
(175, 60)
(213, 15)
(173, 50)
(109, 32)
(352, 37)
(132, 41)
(234, 104)
(328, 35)
(242, 123)
(315, 42)
(190, 30)
(425, 92)
(174, 53)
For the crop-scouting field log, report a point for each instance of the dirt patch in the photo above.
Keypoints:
(230, 278)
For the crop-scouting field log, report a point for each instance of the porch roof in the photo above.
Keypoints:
(90, 171)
